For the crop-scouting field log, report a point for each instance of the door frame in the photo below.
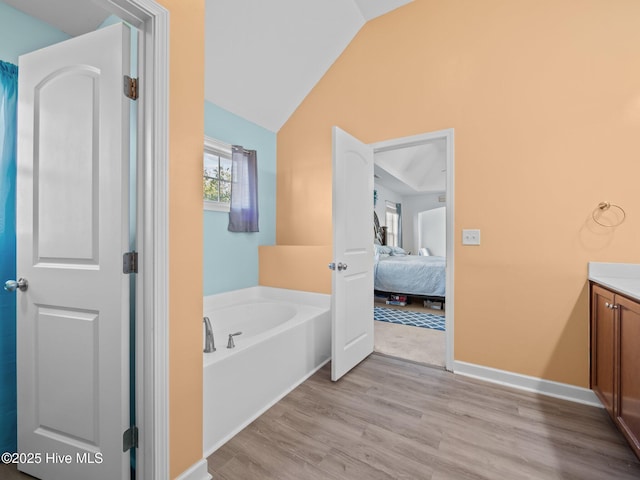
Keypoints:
(448, 136)
(152, 309)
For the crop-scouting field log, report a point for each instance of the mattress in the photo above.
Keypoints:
(411, 274)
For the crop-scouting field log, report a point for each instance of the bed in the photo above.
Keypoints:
(415, 275)
(397, 272)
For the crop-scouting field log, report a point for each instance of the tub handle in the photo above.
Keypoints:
(231, 343)
(209, 345)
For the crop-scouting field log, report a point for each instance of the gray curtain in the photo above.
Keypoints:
(243, 215)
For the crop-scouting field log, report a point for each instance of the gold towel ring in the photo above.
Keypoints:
(603, 207)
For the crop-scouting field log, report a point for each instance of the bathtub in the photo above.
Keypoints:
(286, 337)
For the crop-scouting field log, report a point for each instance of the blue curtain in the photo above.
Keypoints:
(8, 138)
(243, 214)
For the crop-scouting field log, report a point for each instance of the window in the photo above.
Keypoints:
(216, 179)
(394, 225)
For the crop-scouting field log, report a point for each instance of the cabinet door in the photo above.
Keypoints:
(628, 401)
(603, 335)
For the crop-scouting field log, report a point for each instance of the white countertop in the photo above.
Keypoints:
(621, 277)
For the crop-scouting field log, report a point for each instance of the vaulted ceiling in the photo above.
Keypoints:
(264, 57)
(261, 57)
(73, 17)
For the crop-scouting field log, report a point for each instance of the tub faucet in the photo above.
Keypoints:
(230, 343)
(209, 344)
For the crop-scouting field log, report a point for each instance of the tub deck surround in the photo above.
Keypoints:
(286, 337)
(235, 297)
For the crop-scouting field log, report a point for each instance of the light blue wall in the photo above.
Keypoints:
(231, 259)
(20, 33)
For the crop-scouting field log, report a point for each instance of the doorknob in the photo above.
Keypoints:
(341, 266)
(12, 285)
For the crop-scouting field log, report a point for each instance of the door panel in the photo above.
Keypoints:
(72, 230)
(352, 296)
(603, 346)
(66, 374)
(66, 116)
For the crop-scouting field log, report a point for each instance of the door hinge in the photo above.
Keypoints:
(131, 87)
(130, 438)
(130, 262)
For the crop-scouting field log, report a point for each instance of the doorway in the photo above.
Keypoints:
(426, 188)
(152, 168)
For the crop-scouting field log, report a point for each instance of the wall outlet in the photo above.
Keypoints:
(471, 237)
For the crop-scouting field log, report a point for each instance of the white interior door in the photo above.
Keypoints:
(352, 276)
(72, 230)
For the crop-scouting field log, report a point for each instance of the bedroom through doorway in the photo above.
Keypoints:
(413, 308)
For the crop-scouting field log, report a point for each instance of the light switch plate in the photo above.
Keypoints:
(471, 237)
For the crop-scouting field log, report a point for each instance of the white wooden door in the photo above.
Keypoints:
(72, 230)
(352, 276)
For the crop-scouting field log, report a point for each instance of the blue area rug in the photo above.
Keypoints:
(406, 317)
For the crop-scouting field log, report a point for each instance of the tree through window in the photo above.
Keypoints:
(216, 179)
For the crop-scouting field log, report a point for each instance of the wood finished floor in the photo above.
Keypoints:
(10, 472)
(389, 419)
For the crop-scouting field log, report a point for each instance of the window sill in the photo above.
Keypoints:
(216, 206)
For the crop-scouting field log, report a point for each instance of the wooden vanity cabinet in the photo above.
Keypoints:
(603, 346)
(615, 359)
(628, 404)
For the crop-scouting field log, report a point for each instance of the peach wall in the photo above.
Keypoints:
(288, 266)
(186, 133)
(544, 97)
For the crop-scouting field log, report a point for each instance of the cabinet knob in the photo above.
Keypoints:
(610, 306)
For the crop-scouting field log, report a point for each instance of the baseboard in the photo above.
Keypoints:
(525, 382)
(197, 471)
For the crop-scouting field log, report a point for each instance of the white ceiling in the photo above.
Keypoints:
(414, 170)
(73, 17)
(262, 58)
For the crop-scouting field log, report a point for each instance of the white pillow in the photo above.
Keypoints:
(424, 252)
